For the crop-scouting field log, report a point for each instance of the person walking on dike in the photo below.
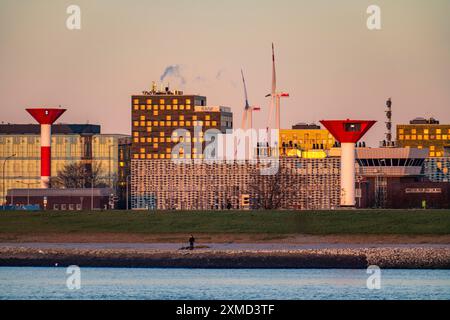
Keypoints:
(191, 242)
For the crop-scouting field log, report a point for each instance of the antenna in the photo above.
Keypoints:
(389, 122)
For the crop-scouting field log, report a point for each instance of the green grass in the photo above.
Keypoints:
(405, 222)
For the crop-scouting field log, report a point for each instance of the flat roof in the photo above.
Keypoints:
(60, 128)
(86, 192)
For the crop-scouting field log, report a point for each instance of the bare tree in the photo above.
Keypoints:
(78, 175)
(269, 191)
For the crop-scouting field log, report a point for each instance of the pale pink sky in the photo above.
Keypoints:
(327, 59)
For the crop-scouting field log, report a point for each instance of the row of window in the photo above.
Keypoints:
(161, 107)
(169, 117)
(161, 101)
(163, 123)
(390, 162)
(155, 140)
(423, 137)
(424, 131)
(143, 156)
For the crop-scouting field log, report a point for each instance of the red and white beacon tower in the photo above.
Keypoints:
(348, 133)
(46, 117)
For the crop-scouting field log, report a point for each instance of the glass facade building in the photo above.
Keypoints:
(20, 153)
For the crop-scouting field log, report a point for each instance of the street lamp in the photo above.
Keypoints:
(4, 186)
(28, 184)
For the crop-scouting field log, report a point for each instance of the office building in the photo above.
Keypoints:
(425, 134)
(157, 114)
(305, 140)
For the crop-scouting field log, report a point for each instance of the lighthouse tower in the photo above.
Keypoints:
(46, 117)
(348, 133)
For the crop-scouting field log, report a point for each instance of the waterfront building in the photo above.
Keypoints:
(299, 184)
(425, 134)
(71, 143)
(157, 114)
(304, 138)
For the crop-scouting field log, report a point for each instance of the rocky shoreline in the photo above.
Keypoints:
(385, 258)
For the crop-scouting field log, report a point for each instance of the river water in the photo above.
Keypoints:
(167, 284)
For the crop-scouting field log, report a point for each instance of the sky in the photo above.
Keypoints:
(332, 65)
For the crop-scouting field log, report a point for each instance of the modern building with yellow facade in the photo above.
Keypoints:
(20, 163)
(306, 141)
(157, 114)
(425, 133)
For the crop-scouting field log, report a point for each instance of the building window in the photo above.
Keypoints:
(188, 101)
(161, 101)
(175, 101)
(155, 112)
(149, 101)
(142, 106)
(155, 145)
(136, 123)
(136, 101)
(352, 127)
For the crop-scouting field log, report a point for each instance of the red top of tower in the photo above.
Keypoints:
(46, 115)
(348, 130)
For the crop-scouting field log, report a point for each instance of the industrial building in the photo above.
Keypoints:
(20, 153)
(424, 133)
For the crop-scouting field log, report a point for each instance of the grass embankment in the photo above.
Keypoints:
(369, 222)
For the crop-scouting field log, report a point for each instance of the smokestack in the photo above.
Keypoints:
(348, 133)
(46, 117)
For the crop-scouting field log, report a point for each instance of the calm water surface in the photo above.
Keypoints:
(126, 283)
